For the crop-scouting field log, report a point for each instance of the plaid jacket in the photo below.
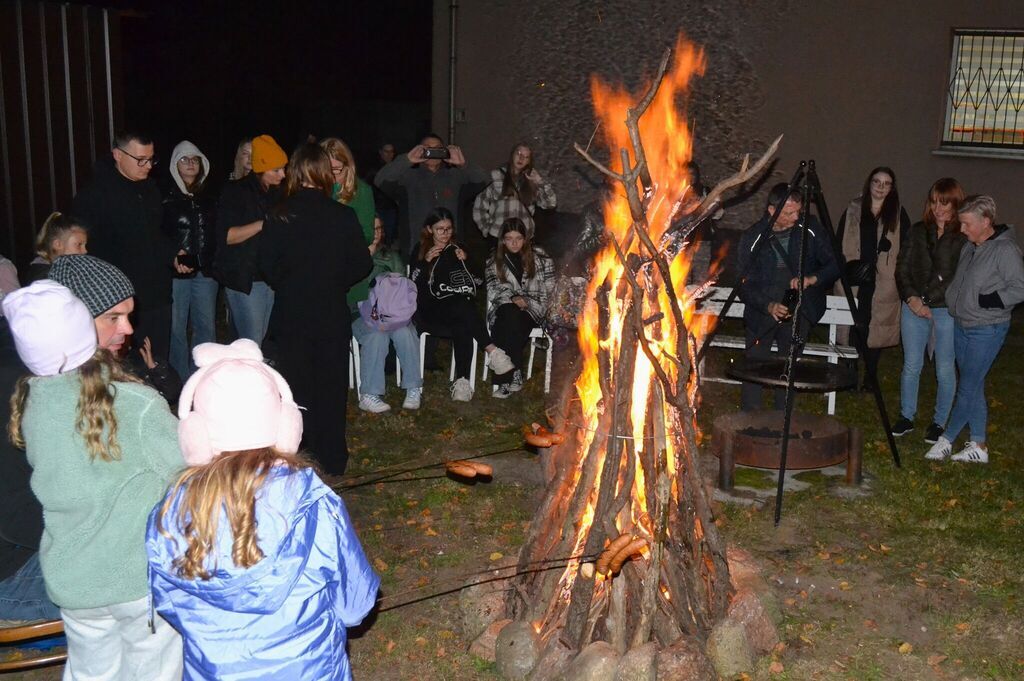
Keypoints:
(536, 290)
(491, 209)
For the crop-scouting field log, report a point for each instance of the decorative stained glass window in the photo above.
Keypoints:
(985, 96)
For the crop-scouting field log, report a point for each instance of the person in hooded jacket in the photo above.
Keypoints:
(252, 557)
(988, 283)
(189, 218)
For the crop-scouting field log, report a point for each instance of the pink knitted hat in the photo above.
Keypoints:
(234, 401)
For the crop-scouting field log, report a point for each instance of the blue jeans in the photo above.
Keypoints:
(373, 350)
(976, 349)
(916, 332)
(23, 595)
(251, 312)
(195, 299)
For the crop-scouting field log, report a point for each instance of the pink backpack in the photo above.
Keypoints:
(391, 303)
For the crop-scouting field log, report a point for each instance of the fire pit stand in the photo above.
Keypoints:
(755, 439)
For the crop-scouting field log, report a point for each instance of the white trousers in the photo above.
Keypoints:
(115, 643)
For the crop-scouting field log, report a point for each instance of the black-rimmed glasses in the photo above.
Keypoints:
(143, 162)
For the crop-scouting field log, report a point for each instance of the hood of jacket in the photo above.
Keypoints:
(186, 148)
(263, 587)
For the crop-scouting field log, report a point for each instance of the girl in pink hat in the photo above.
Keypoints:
(252, 558)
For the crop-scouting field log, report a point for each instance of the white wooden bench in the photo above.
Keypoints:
(837, 314)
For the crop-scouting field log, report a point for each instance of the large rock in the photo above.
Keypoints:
(747, 610)
(554, 659)
(597, 662)
(481, 605)
(639, 664)
(516, 650)
(729, 649)
(484, 645)
(684, 659)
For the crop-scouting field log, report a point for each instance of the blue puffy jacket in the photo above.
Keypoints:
(285, 617)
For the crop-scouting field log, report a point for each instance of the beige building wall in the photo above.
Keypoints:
(851, 84)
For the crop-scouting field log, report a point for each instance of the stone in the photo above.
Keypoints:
(747, 610)
(484, 644)
(597, 662)
(684, 659)
(729, 649)
(554, 658)
(481, 605)
(516, 650)
(639, 664)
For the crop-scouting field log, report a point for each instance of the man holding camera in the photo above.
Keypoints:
(770, 283)
(431, 175)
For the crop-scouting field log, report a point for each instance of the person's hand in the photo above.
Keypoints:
(147, 353)
(434, 252)
(533, 176)
(415, 154)
(519, 301)
(918, 307)
(459, 253)
(778, 311)
(808, 281)
(455, 157)
(178, 267)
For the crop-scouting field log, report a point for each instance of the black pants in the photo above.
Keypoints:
(317, 371)
(457, 318)
(759, 346)
(511, 333)
(153, 323)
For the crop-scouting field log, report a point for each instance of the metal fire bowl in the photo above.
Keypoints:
(811, 375)
(756, 439)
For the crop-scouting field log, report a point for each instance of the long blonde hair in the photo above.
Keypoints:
(339, 151)
(230, 482)
(95, 406)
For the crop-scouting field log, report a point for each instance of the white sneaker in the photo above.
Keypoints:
(373, 403)
(501, 392)
(413, 398)
(461, 390)
(500, 362)
(517, 381)
(971, 453)
(940, 451)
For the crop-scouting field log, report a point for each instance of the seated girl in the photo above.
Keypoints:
(374, 336)
(446, 304)
(252, 558)
(520, 277)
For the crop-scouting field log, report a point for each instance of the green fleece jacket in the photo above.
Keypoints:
(93, 550)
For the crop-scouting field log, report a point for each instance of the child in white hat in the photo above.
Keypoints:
(103, 448)
(253, 559)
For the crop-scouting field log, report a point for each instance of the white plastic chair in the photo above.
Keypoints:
(353, 366)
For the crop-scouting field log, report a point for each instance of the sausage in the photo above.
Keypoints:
(481, 468)
(461, 469)
(625, 554)
(534, 439)
(613, 548)
(538, 431)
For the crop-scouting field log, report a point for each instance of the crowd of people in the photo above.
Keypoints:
(117, 504)
(945, 285)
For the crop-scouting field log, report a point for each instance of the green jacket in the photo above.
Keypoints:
(93, 550)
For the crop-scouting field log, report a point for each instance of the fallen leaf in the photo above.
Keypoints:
(425, 512)
(790, 602)
(824, 555)
(497, 555)
(430, 532)
(871, 624)
(884, 549)
(844, 586)
(391, 646)
(776, 667)
(441, 651)
(906, 649)
(420, 641)
(963, 627)
(935, 660)
(380, 565)
(779, 647)
(378, 526)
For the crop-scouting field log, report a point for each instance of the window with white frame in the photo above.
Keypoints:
(985, 94)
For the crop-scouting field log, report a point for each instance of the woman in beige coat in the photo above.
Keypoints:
(871, 231)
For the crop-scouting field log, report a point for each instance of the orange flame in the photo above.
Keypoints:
(668, 148)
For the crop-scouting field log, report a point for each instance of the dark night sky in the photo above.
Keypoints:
(213, 71)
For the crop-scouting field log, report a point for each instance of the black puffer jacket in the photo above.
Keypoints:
(190, 219)
(927, 263)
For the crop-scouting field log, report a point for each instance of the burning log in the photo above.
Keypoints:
(629, 492)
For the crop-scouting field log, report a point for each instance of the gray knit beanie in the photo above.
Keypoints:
(95, 282)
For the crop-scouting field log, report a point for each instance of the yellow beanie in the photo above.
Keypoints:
(267, 154)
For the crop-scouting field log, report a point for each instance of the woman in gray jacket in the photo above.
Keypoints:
(989, 281)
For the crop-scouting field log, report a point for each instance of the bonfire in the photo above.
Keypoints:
(627, 513)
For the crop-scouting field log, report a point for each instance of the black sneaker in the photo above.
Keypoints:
(932, 434)
(902, 427)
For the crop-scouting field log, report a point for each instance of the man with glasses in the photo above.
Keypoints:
(122, 209)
